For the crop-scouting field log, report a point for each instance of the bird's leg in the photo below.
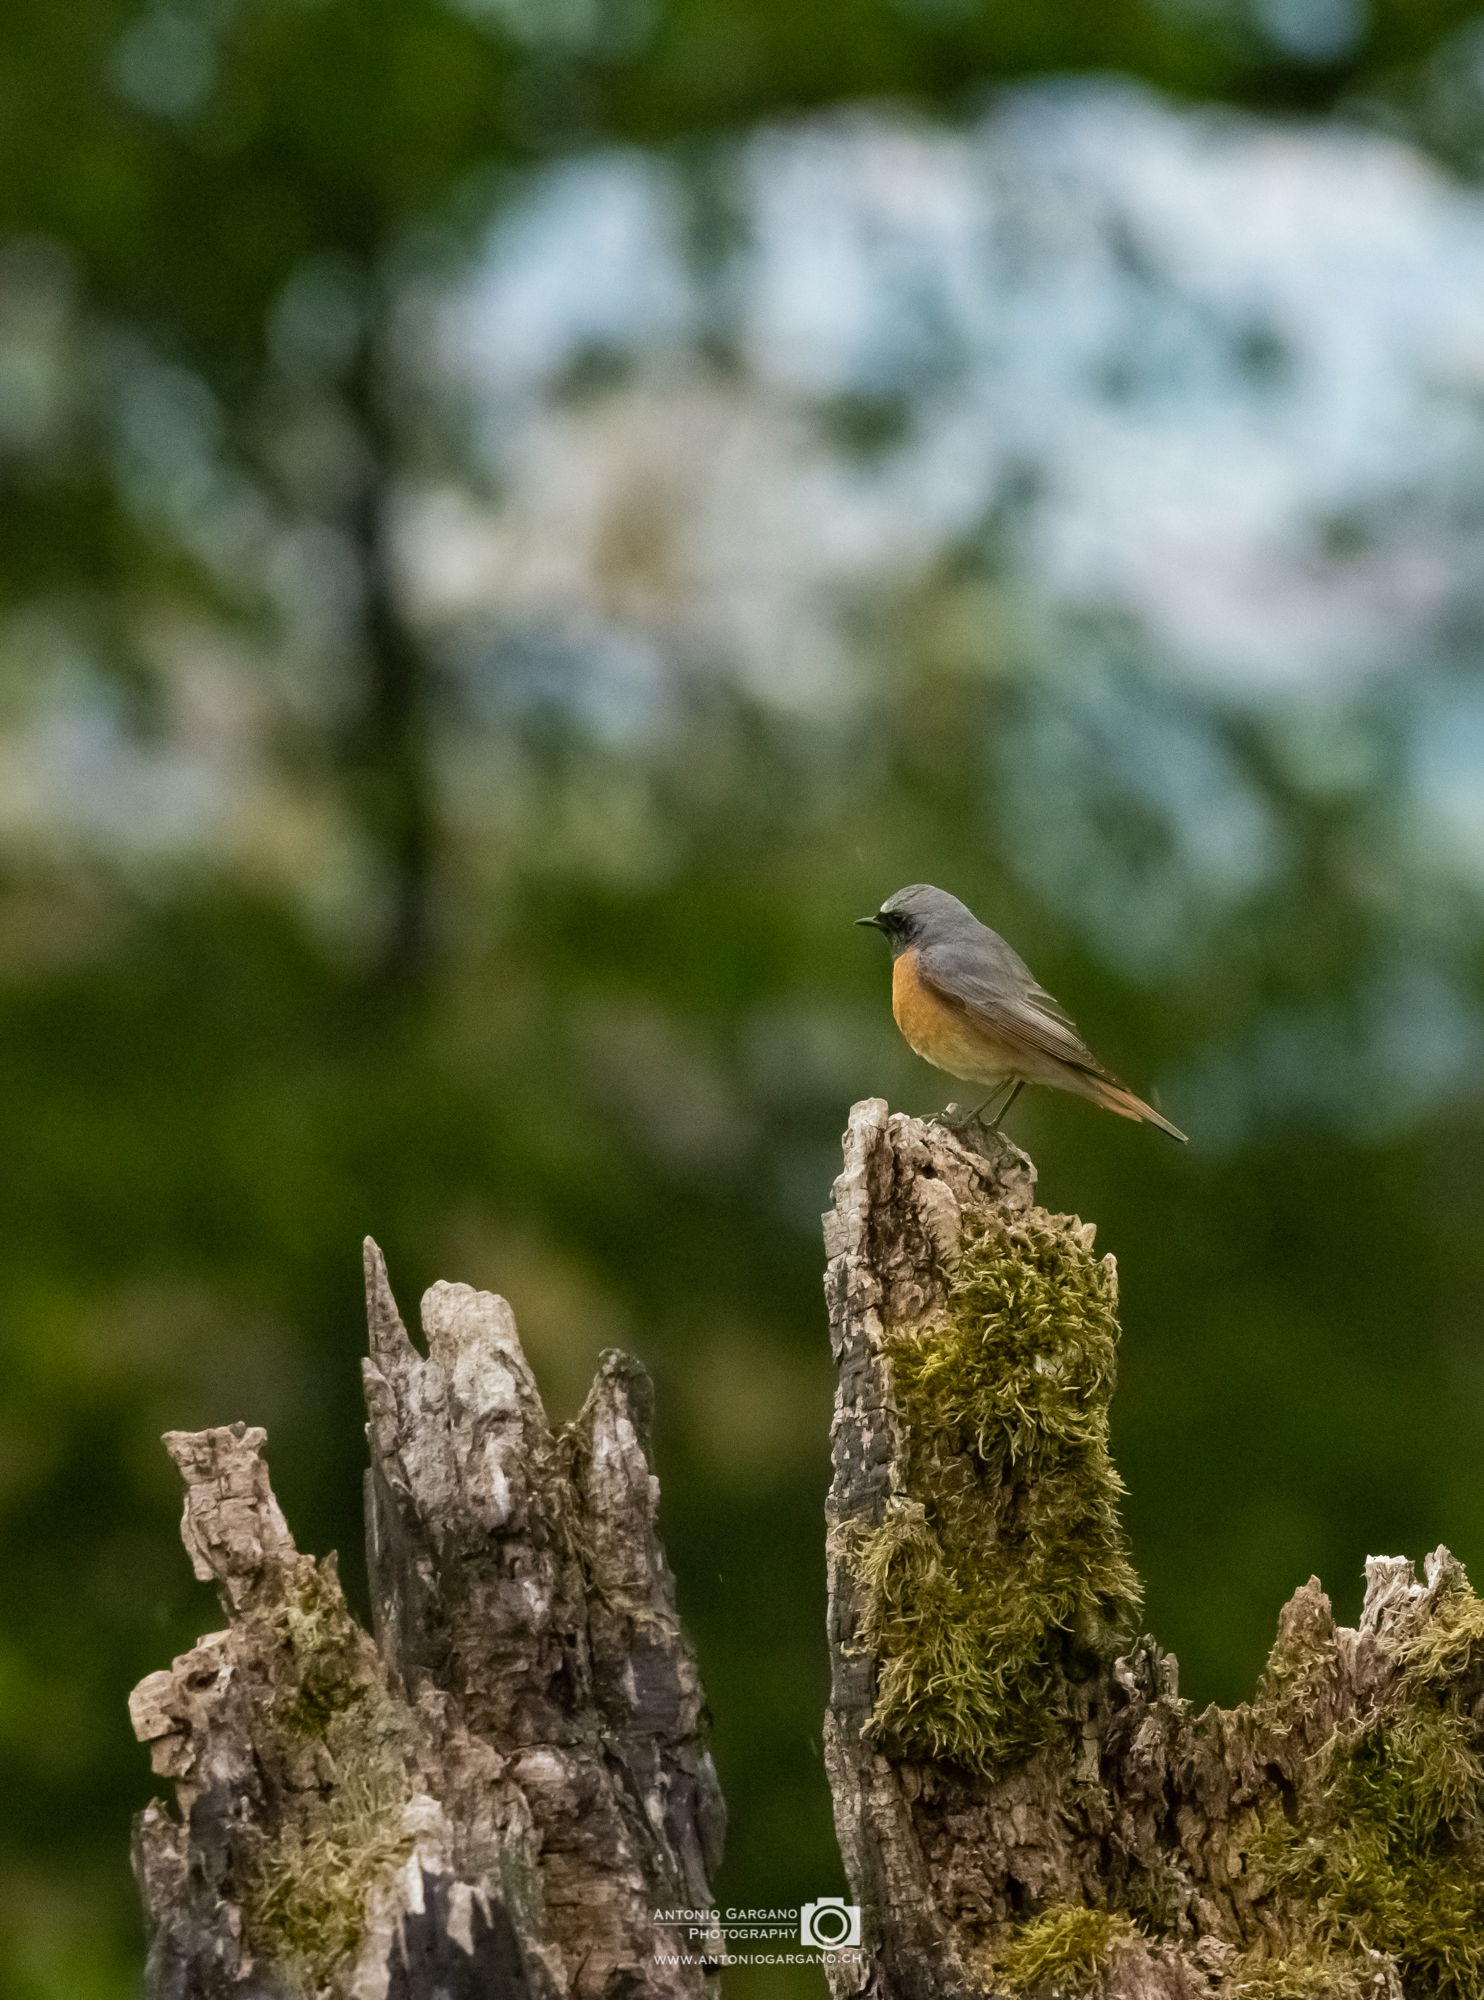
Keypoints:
(999, 1117)
(976, 1116)
(958, 1124)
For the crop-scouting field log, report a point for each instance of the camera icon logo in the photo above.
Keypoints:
(831, 1924)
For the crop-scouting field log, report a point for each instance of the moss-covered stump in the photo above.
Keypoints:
(1025, 1804)
(492, 1798)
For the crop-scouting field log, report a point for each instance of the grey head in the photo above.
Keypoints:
(923, 915)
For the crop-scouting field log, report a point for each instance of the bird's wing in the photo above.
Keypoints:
(988, 981)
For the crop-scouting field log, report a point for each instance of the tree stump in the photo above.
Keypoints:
(499, 1795)
(1024, 1802)
(491, 1800)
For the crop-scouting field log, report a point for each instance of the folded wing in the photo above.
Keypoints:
(995, 987)
(989, 981)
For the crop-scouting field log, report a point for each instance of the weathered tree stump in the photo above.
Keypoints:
(490, 1800)
(497, 1796)
(1024, 1802)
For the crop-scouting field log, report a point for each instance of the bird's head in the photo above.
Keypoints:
(915, 915)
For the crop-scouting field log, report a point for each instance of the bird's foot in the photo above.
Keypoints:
(955, 1119)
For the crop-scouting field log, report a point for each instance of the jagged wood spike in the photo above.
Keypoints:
(388, 1336)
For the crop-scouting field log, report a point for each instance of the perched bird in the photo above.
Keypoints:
(967, 1004)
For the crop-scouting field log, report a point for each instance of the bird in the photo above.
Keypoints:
(968, 1004)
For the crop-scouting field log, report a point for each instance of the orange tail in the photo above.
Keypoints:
(1114, 1097)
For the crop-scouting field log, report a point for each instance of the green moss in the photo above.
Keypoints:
(1324, 1975)
(1385, 1850)
(304, 1901)
(1449, 1650)
(1064, 1949)
(321, 1648)
(1004, 1554)
(305, 1909)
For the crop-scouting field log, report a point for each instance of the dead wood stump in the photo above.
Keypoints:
(1024, 1802)
(500, 1793)
(491, 1799)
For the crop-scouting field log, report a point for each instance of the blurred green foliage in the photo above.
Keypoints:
(585, 1015)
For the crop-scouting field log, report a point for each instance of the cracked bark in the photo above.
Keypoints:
(494, 1795)
(1203, 1836)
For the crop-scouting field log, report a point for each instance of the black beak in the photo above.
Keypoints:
(871, 923)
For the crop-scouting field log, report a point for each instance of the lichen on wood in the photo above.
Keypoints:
(1024, 1802)
(490, 1800)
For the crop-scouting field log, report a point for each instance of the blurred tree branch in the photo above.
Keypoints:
(391, 746)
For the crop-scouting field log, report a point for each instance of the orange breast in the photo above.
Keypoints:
(942, 1035)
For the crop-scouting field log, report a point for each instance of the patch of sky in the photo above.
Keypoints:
(591, 256)
(1317, 31)
(86, 769)
(1139, 825)
(543, 680)
(1411, 1045)
(1207, 333)
(1446, 761)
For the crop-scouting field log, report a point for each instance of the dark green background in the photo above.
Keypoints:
(591, 1029)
